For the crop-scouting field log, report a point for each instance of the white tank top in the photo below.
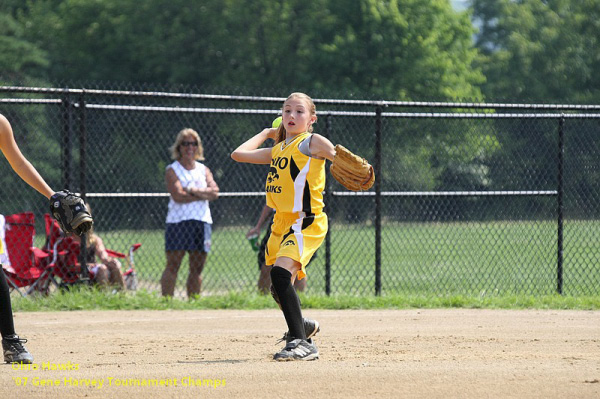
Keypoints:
(197, 210)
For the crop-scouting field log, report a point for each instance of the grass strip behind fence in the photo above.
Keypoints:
(86, 298)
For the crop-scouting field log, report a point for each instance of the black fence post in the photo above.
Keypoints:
(82, 145)
(328, 200)
(378, 201)
(559, 200)
(66, 142)
(82, 188)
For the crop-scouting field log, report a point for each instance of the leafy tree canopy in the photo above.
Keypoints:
(544, 51)
(395, 49)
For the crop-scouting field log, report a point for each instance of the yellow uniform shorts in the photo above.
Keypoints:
(295, 237)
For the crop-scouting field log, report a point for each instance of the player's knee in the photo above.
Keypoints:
(280, 281)
(280, 277)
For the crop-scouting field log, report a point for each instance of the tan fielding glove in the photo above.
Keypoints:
(352, 171)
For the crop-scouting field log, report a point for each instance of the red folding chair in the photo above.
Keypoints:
(64, 250)
(23, 264)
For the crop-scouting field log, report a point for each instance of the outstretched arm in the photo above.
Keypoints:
(18, 162)
(249, 152)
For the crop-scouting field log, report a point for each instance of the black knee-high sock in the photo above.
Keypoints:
(7, 326)
(288, 298)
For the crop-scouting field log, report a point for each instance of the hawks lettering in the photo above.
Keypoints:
(274, 189)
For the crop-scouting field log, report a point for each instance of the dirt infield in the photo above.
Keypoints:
(364, 353)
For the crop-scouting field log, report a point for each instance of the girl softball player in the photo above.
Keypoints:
(294, 188)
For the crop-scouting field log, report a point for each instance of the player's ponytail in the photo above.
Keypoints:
(280, 134)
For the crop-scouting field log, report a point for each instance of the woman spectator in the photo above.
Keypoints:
(189, 221)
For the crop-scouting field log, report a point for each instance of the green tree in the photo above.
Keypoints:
(110, 40)
(400, 49)
(547, 52)
(543, 51)
(21, 60)
(397, 49)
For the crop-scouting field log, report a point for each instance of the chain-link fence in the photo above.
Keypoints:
(472, 199)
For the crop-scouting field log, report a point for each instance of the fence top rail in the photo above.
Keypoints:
(220, 97)
(470, 115)
(30, 101)
(452, 115)
(416, 115)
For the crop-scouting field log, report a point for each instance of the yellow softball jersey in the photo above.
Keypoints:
(2, 239)
(295, 182)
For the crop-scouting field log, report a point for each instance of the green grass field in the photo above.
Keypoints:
(90, 298)
(474, 259)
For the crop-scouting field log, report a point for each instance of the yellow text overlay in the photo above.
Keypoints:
(109, 382)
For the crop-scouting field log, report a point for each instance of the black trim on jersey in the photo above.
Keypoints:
(294, 170)
(308, 220)
(286, 235)
(306, 203)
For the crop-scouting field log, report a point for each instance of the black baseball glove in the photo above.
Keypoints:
(70, 212)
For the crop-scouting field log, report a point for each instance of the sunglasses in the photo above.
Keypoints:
(189, 143)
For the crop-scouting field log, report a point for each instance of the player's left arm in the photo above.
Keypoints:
(18, 162)
(321, 147)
